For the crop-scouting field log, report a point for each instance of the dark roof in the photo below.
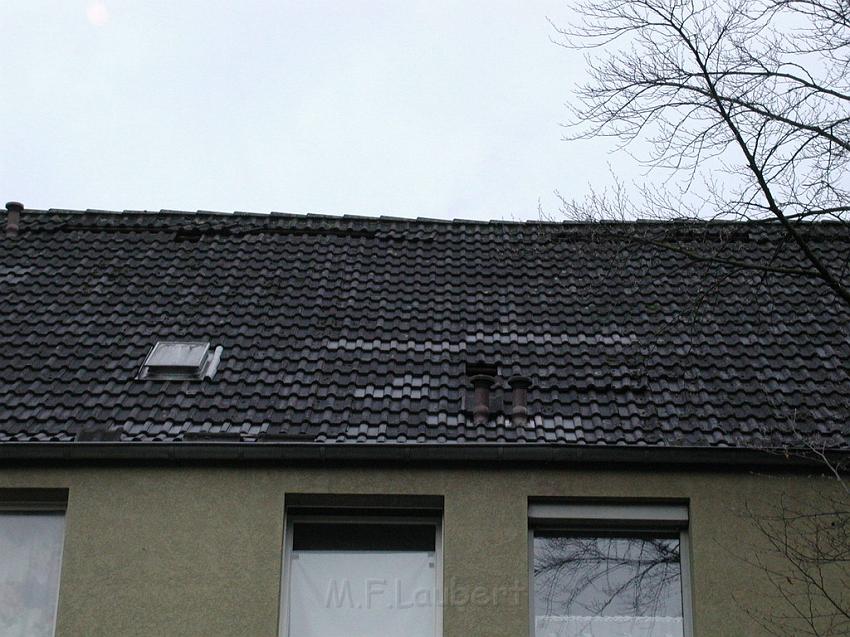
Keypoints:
(358, 330)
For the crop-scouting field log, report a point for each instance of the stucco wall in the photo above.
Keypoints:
(196, 550)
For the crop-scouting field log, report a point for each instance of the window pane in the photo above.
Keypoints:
(30, 559)
(360, 588)
(181, 355)
(607, 586)
(365, 536)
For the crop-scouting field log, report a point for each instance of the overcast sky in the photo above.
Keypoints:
(429, 108)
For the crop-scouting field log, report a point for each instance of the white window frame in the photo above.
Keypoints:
(602, 516)
(354, 518)
(41, 501)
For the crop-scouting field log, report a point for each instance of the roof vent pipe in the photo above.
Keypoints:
(481, 383)
(13, 217)
(519, 399)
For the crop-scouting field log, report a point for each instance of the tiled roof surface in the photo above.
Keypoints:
(358, 330)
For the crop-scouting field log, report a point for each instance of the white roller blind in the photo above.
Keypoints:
(362, 594)
(608, 627)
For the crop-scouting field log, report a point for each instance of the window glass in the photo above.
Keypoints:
(179, 355)
(368, 580)
(365, 536)
(607, 585)
(30, 559)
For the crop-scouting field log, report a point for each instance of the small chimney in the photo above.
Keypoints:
(481, 398)
(13, 217)
(519, 399)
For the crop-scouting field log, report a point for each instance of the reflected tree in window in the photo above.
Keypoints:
(601, 584)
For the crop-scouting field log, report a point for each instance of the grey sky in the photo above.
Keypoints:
(414, 108)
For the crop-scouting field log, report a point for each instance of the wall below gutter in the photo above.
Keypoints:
(195, 548)
(309, 452)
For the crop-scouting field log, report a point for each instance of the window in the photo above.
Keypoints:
(31, 537)
(374, 574)
(178, 360)
(608, 570)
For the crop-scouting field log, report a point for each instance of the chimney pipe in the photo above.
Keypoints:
(481, 398)
(13, 217)
(519, 399)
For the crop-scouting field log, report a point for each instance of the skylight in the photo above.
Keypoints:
(180, 360)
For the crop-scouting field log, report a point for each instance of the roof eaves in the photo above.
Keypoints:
(700, 458)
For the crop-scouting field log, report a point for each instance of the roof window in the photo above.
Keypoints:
(180, 360)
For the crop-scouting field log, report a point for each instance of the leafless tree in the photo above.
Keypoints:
(803, 552)
(743, 106)
(740, 111)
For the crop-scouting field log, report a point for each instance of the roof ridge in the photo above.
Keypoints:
(275, 215)
(242, 223)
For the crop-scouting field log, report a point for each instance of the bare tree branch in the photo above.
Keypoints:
(743, 108)
(753, 90)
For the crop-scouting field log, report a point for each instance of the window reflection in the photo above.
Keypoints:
(607, 585)
(30, 558)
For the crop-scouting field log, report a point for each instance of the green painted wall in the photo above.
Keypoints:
(196, 550)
